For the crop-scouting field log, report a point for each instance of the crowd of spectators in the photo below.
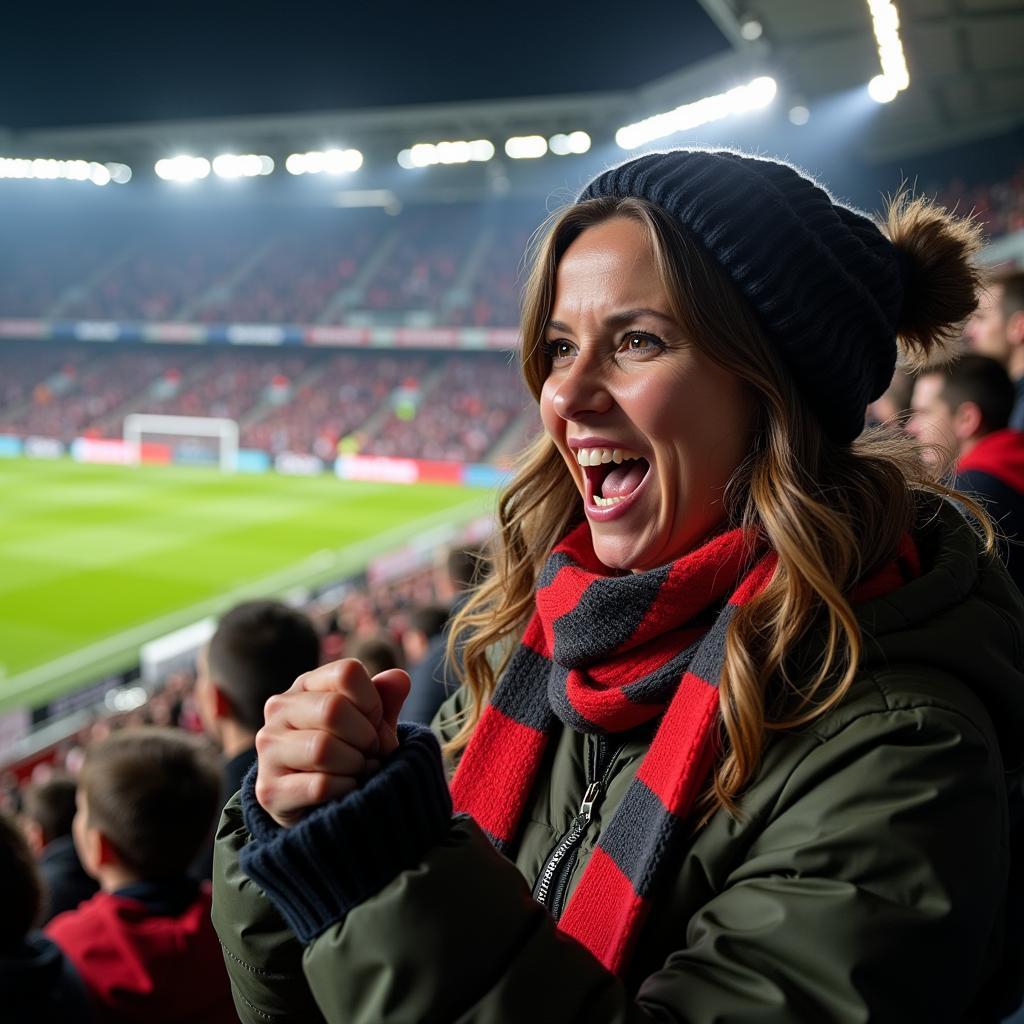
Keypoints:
(460, 414)
(457, 264)
(440, 406)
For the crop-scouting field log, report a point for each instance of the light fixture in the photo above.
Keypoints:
(526, 147)
(426, 154)
(751, 28)
(50, 169)
(326, 161)
(183, 169)
(573, 143)
(895, 77)
(744, 98)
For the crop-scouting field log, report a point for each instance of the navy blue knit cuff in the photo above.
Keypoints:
(345, 851)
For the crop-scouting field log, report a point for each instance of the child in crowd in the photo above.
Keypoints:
(144, 945)
(37, 983)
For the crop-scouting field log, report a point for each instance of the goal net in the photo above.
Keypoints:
(193, 440)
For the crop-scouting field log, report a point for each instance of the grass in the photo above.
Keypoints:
(96, 560)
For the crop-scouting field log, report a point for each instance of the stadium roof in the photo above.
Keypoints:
(965, 60)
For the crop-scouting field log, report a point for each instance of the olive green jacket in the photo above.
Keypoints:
(869, 876)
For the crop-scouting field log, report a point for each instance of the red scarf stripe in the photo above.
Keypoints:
(493, 789)
(536, 638)
(683, 748)
(595, 704)
(756, 580)
(605, 913)
(630, 668)
(692, 585)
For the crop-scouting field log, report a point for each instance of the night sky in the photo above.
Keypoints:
(79, 63)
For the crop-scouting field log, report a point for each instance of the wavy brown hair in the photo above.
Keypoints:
(833, 513)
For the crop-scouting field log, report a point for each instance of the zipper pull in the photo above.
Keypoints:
(589, 799)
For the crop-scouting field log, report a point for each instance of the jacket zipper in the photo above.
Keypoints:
(553, 881)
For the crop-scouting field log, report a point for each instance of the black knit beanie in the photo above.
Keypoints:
(824, 282)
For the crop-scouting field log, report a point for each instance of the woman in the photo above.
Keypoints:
(743, 694)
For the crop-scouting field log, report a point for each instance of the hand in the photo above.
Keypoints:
(324, 735)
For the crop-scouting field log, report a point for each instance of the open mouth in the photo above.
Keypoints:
(614, 479)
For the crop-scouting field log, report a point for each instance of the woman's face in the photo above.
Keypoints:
(649, 427)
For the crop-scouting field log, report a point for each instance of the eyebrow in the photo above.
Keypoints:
(617, 319)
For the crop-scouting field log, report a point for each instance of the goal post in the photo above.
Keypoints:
(225, 431)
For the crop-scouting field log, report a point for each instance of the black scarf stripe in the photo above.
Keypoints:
(519, 697)
(606, 615)
(640, 836)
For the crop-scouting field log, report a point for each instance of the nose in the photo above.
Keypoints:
(581, 390)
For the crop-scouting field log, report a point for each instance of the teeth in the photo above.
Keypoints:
(597, 456)
(602, 502)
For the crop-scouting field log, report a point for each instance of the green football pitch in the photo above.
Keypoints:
(97, 560)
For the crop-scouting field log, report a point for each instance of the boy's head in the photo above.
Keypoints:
(259, 649)
(21, 891)
(146, 801)
(47, 810)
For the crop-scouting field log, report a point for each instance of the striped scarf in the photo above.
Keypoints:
(604, 654)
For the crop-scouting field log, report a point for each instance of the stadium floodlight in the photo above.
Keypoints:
(751, 28)
(755, 95)
(885, 20)
(573, 143)
(882, 89)
(329, 161)
(183, 169)
(247, 165)
(48, 169)
(426, 154)
(120, 174)
(526, 147)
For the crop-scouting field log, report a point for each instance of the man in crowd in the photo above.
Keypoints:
(997, 330)
(144, 945)
(48, 809)
(259, 649)
(960, 412)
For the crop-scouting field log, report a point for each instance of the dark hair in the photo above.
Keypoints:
(467, 566)
(1012, 299)
(260, 648)
(377, 653)
(153, 792)
(51, 805)
(21, 889)
(983, 381)
(428, 619)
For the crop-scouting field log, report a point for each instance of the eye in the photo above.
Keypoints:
(559, 352)
(641, 344)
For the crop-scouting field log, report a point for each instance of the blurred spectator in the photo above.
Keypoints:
(259, 648)
(425, 624)
(144, 945)
(37, 982)
(433, 678)
(997, 330)
(378, 653)
(893, 406)
(48, 809)
(960, 411)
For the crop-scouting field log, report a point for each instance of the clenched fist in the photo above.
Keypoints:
(324, 735)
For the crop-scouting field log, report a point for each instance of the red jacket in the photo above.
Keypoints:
(144, 966)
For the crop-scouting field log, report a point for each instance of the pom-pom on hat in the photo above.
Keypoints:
(824, 282)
